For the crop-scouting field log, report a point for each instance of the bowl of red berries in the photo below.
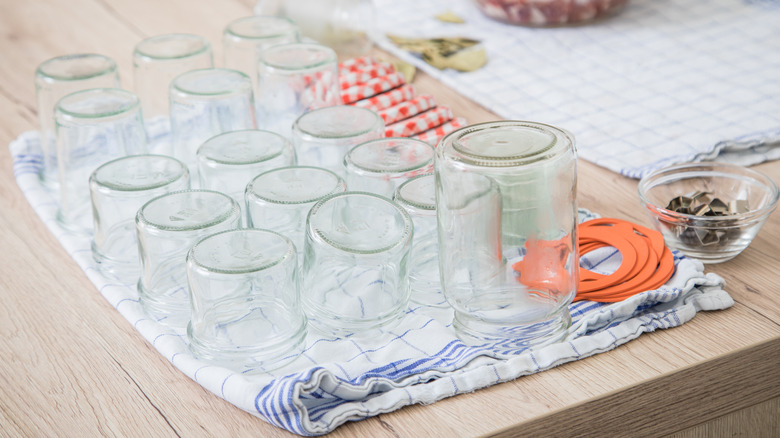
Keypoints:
(547, 13)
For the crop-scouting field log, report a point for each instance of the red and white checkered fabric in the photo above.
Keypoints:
(407, 109)
(325, 77)
(432, 136)
(368, 83)
(420, 123)
(387, 99)
(356, 64)
(372, 87)
(348, 80)
(320, 90)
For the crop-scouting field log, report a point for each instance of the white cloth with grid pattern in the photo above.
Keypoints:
(419, 361)
(662, 82)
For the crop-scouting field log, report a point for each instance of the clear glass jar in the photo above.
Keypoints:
(243, 40)
(205, 103)
(293, 79)
(356, 264)
(323, 136)
(57, 78)
(380, 166)
(229, 161)
(507, 223)
(280, 199)
(418, 197)
(93, 127)
(246, 313)
(117, 190)
(158, 60)
(167, 227)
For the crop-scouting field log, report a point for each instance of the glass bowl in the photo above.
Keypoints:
(728, 206)
(542, 13)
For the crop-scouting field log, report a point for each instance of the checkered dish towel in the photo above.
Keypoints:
(419, 361)
(662, 82)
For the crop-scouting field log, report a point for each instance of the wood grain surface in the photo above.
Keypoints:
(70, 365)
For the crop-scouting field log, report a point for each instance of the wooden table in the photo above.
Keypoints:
(70, 365)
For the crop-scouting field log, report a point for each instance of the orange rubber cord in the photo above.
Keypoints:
(646, 261)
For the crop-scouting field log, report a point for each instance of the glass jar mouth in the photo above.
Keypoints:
(506, 143)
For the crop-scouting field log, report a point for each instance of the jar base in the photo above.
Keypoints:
(509, 340)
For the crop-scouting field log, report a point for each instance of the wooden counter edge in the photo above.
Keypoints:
(671, 403)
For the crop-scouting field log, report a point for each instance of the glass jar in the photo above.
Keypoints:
(418, 197)
(507, 224)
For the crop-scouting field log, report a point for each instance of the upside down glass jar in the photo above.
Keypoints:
(507, 223)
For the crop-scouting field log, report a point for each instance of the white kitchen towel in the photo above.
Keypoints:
(662, 82)
(419, 361)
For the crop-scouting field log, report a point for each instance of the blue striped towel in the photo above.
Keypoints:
(419, 361)
(660, 83)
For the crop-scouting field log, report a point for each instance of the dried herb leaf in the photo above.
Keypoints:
(450, 17)
(464, 60)
(414, 45)
(462, 54)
